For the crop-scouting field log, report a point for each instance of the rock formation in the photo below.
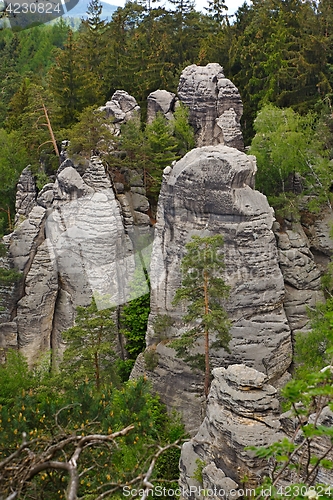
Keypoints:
(301, 274)
(70, 243)
(160, 101)
(210, 191)
(121, 108)
(79, 236)
(242, 410)
(214, 103)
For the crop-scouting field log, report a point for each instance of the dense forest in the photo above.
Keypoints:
(275, 51)
(279, 54)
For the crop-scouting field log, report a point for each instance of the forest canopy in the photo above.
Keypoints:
(275, 51)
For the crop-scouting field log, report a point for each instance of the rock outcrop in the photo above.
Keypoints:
(70, 243)
(121, 108)
(214, 103)
(242, 411)
(210, 191)
(160, 101)
(301, 274)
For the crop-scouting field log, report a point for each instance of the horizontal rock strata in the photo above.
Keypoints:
(210, 191)
(214, 103)
(242, 411)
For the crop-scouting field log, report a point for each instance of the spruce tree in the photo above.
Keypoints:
(217, 10)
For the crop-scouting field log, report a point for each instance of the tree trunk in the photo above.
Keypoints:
(207, 367)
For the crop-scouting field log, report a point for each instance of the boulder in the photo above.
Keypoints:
(160, 101)
(214, 103)
(121, 108)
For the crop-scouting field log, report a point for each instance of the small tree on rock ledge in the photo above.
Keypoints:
(203, 290)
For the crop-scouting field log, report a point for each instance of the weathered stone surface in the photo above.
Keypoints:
(46, 196)
(69, 185)
(317, 228)
(93, 253)
(71, 244)
(209, 191)
(119, 187)
(235, 419)
(300, 273)
(214, 480)
(35, 309)
(63, 319)
(160, 101)
(126, 210)
(214, 103)
(8, 337)
(95, 175)
(141, 219)
(26, 194)
(121, 108)
(139, 202)
(27, 237)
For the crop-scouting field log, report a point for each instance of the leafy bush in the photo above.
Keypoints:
(287, 144)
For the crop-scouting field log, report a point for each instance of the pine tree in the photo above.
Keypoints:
(90, 343)
(203, 290)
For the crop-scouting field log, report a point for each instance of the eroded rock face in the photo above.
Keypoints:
(210, 191)
(160, 101)
(25, 194)
(242, 410)
(214, 103)
(121, 108)
(69, 243)
(301, 274)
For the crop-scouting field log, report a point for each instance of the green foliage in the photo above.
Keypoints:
(197, 474)
(92, 132)
(161, 325)
(151, 358)
(161, 147)
(15, 378)
(182, 130)
(277, 55)
(298, 457)
(135, 317)
(151, 149)
(312, 349)
(81, 411)
(13, 159)
(203, 291)
(286, 144)
(9, 276)
(66, 83)
(89, 354)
